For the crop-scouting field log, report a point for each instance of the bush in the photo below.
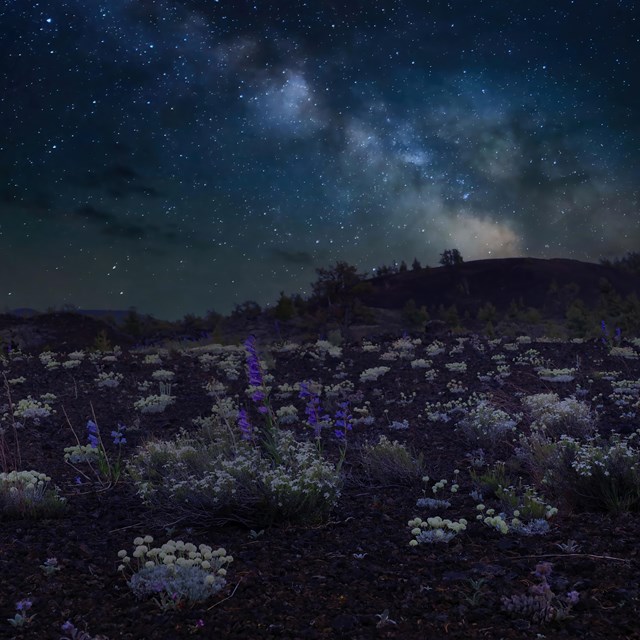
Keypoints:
(211, 480)
(487, 426)
(28, 494)
(554, 417)
(391, 462)
(175, 574)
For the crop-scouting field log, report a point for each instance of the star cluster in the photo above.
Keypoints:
(186, 155)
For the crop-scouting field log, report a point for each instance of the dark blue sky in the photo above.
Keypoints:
(182, 156)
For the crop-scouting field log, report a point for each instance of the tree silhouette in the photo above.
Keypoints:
(450, 258)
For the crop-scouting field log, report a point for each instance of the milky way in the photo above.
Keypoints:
(183, 156)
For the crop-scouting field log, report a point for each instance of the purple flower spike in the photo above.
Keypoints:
(92, 434)
(245, 426)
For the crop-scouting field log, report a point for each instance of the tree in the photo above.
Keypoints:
(415, 265)
(285, 308)
(132, 324)
(335, 283)
(403, 267)
(451, 258)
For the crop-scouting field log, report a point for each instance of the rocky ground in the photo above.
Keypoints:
(353, 576)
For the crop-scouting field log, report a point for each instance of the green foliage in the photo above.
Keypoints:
(417, 318)
(630, 263)
(487, 313)
(210, 478)
(249, 310)
(285, 308)
(334, 283)
(102, 342)
(28, 494)
(388, 462)
(132, 324)
(451, 317)
(578, 319)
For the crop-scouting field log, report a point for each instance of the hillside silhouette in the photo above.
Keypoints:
(549, 295)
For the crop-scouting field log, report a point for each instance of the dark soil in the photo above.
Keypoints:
(354, 576)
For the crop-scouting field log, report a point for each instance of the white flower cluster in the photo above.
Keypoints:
(556, 375)
(457, 367)
(177, 570)
(80, 453)
(301, 482)
(442, 411)
(433, 530)
(455, 386)
(591, 459)
(110, 379)
(163, 375)
(624, 352)
(485, 424)
(287, 414)
(154, 403)
(71, 364)
(555, 417)
(325, 348)
(30, 409)
(370, 375)
(225, 408)
(152, 358)
(48, 359)
(25, 487)
(421, 363)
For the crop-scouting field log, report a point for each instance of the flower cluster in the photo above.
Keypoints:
(541, 604)
(175, 574)
(436, 529)
(28, 493)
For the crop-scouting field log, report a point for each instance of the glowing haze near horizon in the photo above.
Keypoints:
(179, 156)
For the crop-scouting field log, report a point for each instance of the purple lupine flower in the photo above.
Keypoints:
(543, 569)
(68, 627)
(245, 426)
(618, 335)
(312, 410)
(92, 434)
(605, 332)
(256, 380)
(253, 362)
(343, 420)
(573, 597)
(118, 435)
(23, 605)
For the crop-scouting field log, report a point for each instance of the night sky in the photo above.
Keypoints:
(180, 156)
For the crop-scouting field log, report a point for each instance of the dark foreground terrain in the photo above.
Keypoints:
(353, 576)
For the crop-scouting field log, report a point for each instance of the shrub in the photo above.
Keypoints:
(391, 462)
(211, 480)
(28, 494)
(554, 417)
(175, 574)
(486, 426)
(598, 476)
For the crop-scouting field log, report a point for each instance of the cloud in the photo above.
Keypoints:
(292, 257)
(118, 181)
(110, 224)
